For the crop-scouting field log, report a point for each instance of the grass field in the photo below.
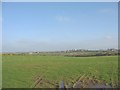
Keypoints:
(21, 71)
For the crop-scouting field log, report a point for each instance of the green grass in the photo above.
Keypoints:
(19, 71)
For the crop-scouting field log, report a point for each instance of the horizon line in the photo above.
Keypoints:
(55, 50)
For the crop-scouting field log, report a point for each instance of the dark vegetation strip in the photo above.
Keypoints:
(72, 53)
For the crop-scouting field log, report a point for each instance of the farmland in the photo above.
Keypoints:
(22, 71)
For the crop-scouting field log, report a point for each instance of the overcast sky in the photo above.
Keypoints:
(59, 26)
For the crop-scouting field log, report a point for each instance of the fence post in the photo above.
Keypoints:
(61, 86)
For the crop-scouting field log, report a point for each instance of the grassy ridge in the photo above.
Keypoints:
(19, 71)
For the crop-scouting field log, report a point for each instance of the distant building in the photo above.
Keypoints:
(30, 52)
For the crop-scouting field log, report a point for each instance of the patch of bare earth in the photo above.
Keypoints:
(82, 82)
(40, 82)
(86, 82)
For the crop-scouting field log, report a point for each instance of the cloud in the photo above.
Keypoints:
(108, 37)
(22, 45)
(25, 45)
(106, 10)
(62, 18)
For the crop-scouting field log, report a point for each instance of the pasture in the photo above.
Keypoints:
(22, 71)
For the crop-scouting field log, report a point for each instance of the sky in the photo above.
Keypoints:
(60, 0)
(0, 27)
(50, 26)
